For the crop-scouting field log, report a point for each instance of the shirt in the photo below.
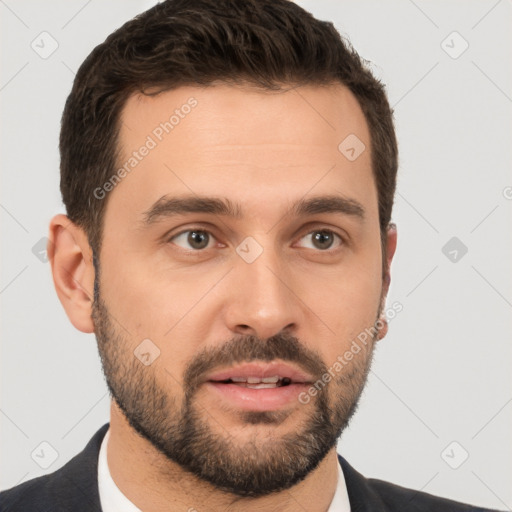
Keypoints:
(113, 500)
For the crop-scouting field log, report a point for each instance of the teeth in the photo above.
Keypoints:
(261, 383)
(257, 380)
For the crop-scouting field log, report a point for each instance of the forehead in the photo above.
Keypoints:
(243, 143)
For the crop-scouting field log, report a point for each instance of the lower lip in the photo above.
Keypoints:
(250, 399)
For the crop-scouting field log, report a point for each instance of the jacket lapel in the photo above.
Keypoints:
(75, 486)
(360, 494)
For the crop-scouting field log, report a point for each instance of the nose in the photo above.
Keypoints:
(262, 301)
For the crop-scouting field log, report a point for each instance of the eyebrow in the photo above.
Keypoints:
(167, 207)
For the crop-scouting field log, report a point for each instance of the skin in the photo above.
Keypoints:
(265, 151)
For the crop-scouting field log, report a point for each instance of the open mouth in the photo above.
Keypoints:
(257, 382)
(259, 385)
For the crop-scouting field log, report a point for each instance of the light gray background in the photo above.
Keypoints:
(443, 372)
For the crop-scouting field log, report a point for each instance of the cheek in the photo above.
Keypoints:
(346, 302)
(137, 301)
(151, 300)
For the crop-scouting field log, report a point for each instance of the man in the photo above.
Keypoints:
(228, 169)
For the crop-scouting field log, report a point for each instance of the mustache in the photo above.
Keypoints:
(245, 349)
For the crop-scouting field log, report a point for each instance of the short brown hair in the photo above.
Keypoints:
(266, 43)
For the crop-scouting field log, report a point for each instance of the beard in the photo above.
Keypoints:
(183, 431)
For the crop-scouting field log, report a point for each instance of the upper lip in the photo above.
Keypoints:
(261, 370)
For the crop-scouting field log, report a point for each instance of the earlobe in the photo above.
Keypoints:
(70, 257)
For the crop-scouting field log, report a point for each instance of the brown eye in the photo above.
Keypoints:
(322, 239)
(196, 239)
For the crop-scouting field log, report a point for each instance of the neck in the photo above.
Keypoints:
(154, 483)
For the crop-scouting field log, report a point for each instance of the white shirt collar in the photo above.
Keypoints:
(113, 500)
(111, 497)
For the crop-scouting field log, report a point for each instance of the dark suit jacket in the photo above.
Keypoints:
(74, 488)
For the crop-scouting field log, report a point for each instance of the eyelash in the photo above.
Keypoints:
(342, 240)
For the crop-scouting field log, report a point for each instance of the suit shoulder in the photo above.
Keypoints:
(29, 496)
(400, 498)
(373, 494)
(72, 487)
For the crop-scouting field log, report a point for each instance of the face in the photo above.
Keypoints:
(241, 258)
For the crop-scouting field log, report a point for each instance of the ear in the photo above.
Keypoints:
(392, 236)
(70, 257)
